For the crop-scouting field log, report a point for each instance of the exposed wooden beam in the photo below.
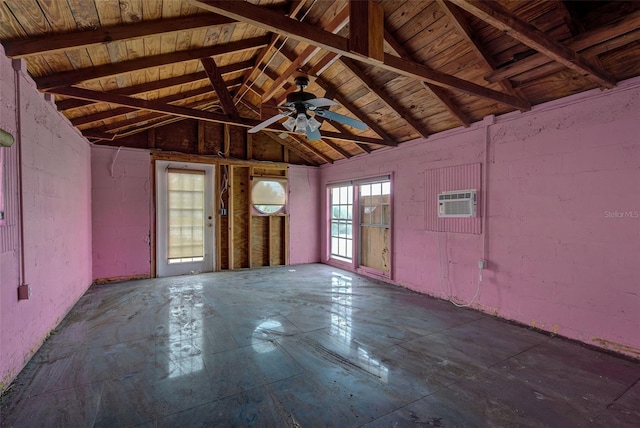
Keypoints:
(273, 21)
(97, 135)
(150, 118)
(291, 147)
(294, 8)
(384, 97)
(330, 92)
(592, 52)
(437, 92)
(366, 29)
(345, 154)
(107, 114)
(343, 129)
(335, 25)
(494, 14)
(215, 77)
(615, 34)
(464, 29)
(161, 107)
(138, 103)
(75, 76)
(52, 43)
(356, 138)
(310, 147)
(324, 63)
(160, 84)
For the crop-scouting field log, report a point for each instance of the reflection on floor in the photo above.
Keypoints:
(307, 346)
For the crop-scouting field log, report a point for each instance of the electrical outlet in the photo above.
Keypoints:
(24, 292)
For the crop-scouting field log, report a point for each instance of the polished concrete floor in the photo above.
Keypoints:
(307, 346)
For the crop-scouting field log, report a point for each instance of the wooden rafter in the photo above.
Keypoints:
(335, 25)
(160, 84)
(310, 147)
(343, 129)
(464, 29)
(294, 9)
(140, 121)
(161, 107)
(385, 97)
(215, 77)
(291, 147)
(439, 93)
(330, 92)
(592, 52)
(273, 21)
(593, 42)
(72, 77)
(494, 14)
(107, 114)
(23, 48)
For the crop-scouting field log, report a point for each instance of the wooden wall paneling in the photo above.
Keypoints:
(201, 124)
(249, 216)
(276, 240)
(260, 241)
(240, 217)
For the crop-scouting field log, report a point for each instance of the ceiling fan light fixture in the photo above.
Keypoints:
(301, 123)
(290, 124)
(313, 124)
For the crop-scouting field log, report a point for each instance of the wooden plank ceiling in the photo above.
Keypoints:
(120, 67)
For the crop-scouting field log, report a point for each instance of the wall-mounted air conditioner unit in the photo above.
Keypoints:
(458, 203)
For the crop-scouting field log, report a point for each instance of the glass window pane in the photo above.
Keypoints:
(343, 195)
(386, 188)
(335, 196)
(334, 245)
(185, 206)
(350, 195)
(376, 189)
(268, 196)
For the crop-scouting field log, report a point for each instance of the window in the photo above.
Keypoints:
(365, 203)
(375, 221)
(185, 215)
(268, 196)
(342, 222)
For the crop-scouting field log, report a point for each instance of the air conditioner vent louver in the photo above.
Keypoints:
(458, 203)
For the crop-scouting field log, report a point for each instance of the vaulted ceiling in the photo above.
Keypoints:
(121, 67)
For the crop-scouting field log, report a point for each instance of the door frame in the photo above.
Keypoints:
(159, 241)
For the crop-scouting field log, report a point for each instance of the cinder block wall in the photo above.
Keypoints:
(56, 190)
(562, 228)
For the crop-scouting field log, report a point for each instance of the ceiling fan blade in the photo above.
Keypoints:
(313, 135)
(327, 114)
(267, 122)
(321, 102)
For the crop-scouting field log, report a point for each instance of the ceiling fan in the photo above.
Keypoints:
(298, 106)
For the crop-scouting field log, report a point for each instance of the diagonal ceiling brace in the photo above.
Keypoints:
(215, 77)
(496, 15)
(276, 22)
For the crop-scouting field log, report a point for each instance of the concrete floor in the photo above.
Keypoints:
(307, 346)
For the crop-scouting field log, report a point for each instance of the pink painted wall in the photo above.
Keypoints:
(304, 214)
(562, 227)
(57, 222)
(121, 212)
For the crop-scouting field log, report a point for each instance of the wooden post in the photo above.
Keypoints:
(366, 29)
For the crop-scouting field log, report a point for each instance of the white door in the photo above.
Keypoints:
(184, 218)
